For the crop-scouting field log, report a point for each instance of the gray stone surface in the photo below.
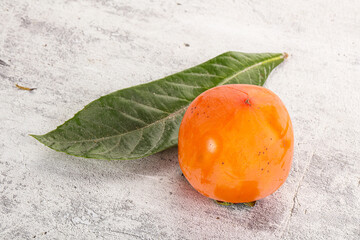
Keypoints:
(76, 51)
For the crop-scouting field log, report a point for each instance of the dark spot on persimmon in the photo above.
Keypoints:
(268, 163)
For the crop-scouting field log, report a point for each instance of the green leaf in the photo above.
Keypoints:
(142, 120)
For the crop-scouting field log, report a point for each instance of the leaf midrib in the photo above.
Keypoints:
(181, 109)
(249, 68)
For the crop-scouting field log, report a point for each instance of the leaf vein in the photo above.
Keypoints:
(248, 69)
(118, 135)
(141, 104)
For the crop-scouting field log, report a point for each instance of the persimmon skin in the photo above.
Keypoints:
(236, 143)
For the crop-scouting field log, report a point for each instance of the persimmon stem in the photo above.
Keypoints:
(250, 204)
(223, 203)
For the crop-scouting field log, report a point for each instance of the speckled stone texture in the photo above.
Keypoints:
(78, 50)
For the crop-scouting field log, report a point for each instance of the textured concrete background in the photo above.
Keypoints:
(76, 51)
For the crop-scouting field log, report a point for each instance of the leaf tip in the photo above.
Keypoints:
(37, 137)
(285, 55)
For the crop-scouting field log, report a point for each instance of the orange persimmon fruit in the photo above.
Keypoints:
(236, 143)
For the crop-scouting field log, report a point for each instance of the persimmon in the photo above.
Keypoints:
(236, 143)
